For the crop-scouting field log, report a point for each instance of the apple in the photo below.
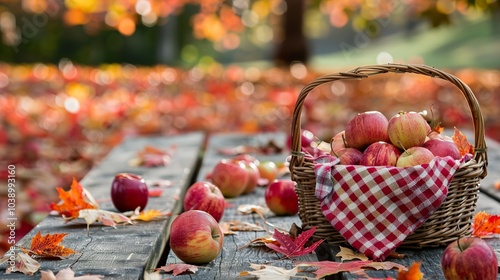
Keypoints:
(407, 129)
(349, 156)
(268, 170)
(338, 142)
(128, 192)
(230, 176)
(469, 258)
(437, 135)
(195, 237)
(253, 176)
(442, 148)
(306, 139)
(414, 156)
(380, 154)
(366, 128)
(281, 198)
(207, 197)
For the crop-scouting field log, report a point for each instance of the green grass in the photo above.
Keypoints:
(468, 44)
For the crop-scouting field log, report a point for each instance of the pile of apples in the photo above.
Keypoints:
(406, 139)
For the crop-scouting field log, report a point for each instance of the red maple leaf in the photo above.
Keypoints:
(178, 268)
(293, 247)
(326, 268)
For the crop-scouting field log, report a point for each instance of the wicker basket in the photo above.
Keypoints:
(450, 221)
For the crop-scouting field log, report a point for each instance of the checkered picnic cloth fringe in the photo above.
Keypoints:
(374, 207)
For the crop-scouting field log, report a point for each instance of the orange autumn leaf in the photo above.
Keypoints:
(485, 224)
(48, 246)
(73, 200)
(413, 273)
(149, 215)
(462, 144)
(438, 128)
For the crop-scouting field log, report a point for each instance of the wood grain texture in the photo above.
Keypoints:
(126, 251)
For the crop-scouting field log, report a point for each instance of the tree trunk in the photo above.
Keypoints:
(293, 47)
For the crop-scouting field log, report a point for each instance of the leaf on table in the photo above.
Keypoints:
(413, 273)
(293, 247)
(149, 215)
(156, 192)
(241, 226)
(73, 200)
(462, 144)
(252, 208)
(178, 268)
(269, 272)
(347, 254)
(107, 218)
(67, 274)
(23, 263)
(261, 241)
(225, 229)
(48, 246)
(151, 156)
(484, 224)
(326, 268)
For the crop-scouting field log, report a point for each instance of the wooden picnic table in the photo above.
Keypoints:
(134, 251)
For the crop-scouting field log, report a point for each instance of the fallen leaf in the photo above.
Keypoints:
(242, 226)
(151, 156)
(155, 192)
(462, 144)
(178, 268)
(485, 224)
(293, 247)
(67, 274)
(326, 268)
(149, 215)
(413, 273)
(347, 254)
(73, 200)
(261, 241)
(225, 229)
(48, 246)
(23, 263)
(252, 208)
(107, 218)
(269, 272)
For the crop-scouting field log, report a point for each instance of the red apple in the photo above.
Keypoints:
(380, 154)
(253, 176)
(442, 148)
(268, 170)
(338, 142)
(306, 139)
(129, 191)
(437, 135)
(230, 176)
(407, 129)
(349, 156)
(195, 237)
(469, 258)
(414, 156)
(281, 197)
(207, 197)
(366, 128)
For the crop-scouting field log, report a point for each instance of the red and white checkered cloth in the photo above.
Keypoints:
(375, 208)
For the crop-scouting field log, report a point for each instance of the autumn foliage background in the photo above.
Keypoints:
(61, 116)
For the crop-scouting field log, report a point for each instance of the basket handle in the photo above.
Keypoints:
(371, 70)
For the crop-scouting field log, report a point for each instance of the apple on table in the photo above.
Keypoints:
(231, 177)
(207, 197)
(128, 192)
(281, 198)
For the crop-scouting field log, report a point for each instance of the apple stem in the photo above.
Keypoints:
(459, 246)
(343, 140)
(401, 144)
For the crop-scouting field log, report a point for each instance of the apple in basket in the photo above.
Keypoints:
(442, 148)
(380, 154)
(338, 142)
(349, 156)
(306, 139)
(407, 129)
(128, 192)
(414, 156)
(230, 176)
(281, 198)
(366, 128)
(207, 197)
(469, 258)
(195, 237)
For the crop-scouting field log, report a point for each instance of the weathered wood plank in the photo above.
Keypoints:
(124, 252)
(487, 184)
(234, 258)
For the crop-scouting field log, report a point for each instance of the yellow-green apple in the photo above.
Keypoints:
(230, 176)
(442, 148)
(268, 170)
(366, 128)
(407, 129)
(195, 237)
(128, 192)
(414, 156)
(469, 258)
(207, 197)
(281, 197)
(349, 156)
(338, 142)
(380, 154)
